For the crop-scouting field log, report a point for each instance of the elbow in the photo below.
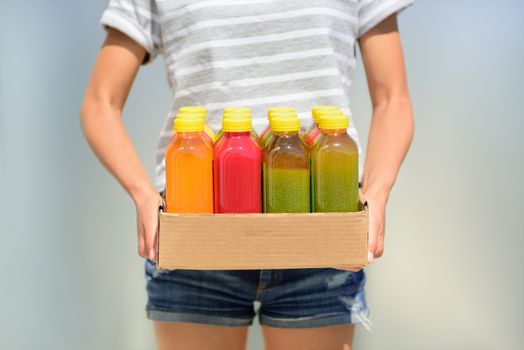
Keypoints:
(84, 112)
(94, 111)
(398, 107)
(87, 115)
(404, 111)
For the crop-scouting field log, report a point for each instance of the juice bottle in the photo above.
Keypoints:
(266, 134)
(236, 112)
(313, 131)
(286, 167)
(183, 115)
(237, 169)
(278, 114)
(334, 167)
(189, 169)
(315, 112)
(202, 112)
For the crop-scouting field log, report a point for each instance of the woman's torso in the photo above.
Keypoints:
(257, 54)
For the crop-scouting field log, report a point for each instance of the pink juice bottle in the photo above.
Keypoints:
(237, 169)
(236, 112)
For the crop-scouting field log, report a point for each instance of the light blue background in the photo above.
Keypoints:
(451, 277)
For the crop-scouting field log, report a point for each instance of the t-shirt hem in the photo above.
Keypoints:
(123, 23)
(381, 14)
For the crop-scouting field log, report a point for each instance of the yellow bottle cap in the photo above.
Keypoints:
(189, 115)
(333, 121)
(284, 123)
(282, 114)
(278, 109)
(193, 110)
(186, 115)
(232, 114)
(188, 124)
(317, 111)
(236, 124)
(232, 110)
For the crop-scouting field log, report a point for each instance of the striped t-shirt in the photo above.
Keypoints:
(251, 53)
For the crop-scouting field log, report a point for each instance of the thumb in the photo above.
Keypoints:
(372, 238)
(372, 232)
(154, 247)
(152, 237)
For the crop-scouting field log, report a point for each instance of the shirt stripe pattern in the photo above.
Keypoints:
(251, 53)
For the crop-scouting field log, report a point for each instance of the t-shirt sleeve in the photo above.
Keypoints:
(372, 12)
(138, 19)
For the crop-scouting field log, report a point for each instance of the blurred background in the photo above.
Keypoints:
(451, 276)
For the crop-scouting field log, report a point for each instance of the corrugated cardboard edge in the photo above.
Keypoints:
(199, 242)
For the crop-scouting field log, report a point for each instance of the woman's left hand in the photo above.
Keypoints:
(377, 222)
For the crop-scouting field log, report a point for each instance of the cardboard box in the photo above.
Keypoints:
(262, 241)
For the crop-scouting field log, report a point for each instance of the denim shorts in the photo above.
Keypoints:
(288, 298)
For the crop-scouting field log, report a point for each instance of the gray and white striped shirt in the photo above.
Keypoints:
(251, 53)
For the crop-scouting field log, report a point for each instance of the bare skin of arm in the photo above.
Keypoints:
(115, 69)
(392, 124)
(390, 135)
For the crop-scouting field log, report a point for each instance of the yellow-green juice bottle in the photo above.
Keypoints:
(312, 134)
(334, 167)
(286, 168)
(266, 134)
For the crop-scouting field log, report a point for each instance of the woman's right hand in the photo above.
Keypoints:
(115, 69)
(147, 205)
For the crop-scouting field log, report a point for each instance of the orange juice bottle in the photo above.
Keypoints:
(181, 115)
(199, 111)
(189, 169)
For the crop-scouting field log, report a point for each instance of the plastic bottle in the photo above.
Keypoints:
(278, 114)
(202, 112)
(266, 134)
(313, 131)
(334, 167)
(236, 112)
(237, 169)
(184, 115)
(189, 169)
(286, 168)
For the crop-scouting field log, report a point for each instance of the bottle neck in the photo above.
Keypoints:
(189, 134)
(285, 133)
(333, 131)
(236, 133)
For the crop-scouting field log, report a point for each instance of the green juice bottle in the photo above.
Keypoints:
(286, 168)
(334, 167)
(266, 134)
(316, 111)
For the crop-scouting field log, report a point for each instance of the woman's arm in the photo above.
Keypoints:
(392, 124)
(114, 72)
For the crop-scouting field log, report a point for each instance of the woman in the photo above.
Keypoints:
(257, 54)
